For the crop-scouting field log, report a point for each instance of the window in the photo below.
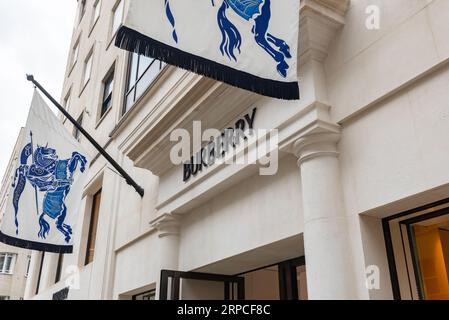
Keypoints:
(7, 261)
(282, 281)
(108, 85)
(417, 242)
(97, 11)
(75, 52)
(59, 268)
(87, 69)
(82, 9)
(76, 132)
(117, 17)
(149, 295)
(4, 298)
(27, 271)
(430, 248)
(39, 276)
(93, 228)
(67, 102)
(142, 71)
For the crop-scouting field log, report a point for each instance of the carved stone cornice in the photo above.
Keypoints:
(323, 144)
(312, 134)
(319, 22)
(166, 224)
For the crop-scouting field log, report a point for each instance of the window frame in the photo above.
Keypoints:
(58, 275)
(12, 262)
(94, 18)
(76, 132)
(110, 76)
(97, 4)
(117, 4)
(27, 269)
(39, 275)
(82, 10)
(89, 58)
(148, 293)
(91, 238)
(75, 53)
(396, 225)
(132, 89)
(67, 100)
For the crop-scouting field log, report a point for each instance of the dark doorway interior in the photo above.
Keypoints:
(281, 281)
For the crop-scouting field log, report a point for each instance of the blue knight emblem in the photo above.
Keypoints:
(259, 13)
(49, 175)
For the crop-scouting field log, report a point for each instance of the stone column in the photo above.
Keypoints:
(167, 227)
(330, 267)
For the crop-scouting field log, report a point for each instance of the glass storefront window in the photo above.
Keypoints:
(302, 282)
(283, 281)
(146, 296)
(431, 249)
(262, 284)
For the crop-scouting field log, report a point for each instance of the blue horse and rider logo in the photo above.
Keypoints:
(256, 11)
(49, 175)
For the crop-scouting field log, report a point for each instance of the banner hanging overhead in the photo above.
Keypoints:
(46, 191)
(250, 44)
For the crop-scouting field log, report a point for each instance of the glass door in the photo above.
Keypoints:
(428, 240)
(282, 281)
(176, 285)
(292, 279)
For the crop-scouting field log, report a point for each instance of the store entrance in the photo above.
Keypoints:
(281, 281)
(429, 247)
(417, 245)
(176, 285)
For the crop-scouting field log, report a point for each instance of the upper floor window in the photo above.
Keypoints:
(75, 52)
(76, 132)
(108, 85)
(96, 13)
(7, 261)
(39, 276)
(92, 235)
(27, 271)
(82, 9)
(142, 71)
(67, 102)
(117, 17)
(59, 268)
(87, 69)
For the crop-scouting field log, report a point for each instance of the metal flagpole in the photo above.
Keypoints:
(100, 149)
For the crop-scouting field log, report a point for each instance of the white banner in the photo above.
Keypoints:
(251, 44)
(46, 191)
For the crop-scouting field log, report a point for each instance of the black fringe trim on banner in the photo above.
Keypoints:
(134, 41)
(31, 245)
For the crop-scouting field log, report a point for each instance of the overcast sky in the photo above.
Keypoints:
(34, 38)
